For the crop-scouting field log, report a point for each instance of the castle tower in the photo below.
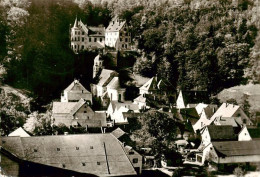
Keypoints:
(98, 65)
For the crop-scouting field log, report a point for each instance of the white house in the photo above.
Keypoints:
(244, 135)
(117, 35)
(84, 36)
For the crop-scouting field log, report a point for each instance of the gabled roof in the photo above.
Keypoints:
(140, 98)
(114, 83)
(67, 107)
(106, 76)
(227, 121)
(76, 86)
(188, 114)
(62, 107)
(221, 132)
(118, 132)
(98, 154)
(97, 58)
(225, 110)
(115, 24)
(194, 96)
(19, 132)
(156, 84)
(237, 148)
(96, 31)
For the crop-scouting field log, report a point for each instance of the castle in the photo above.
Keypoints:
(116, 36)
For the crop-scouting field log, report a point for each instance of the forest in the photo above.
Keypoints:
(195, 44)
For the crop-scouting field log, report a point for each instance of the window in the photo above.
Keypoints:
(95, 39)
(63, 165)
(123, 45)
(131, 152)
(244, 121)
(58, 149)
(78, 38)
(120, 39)
(83, 33)
(89, 39)
(126, 46)
(85, 111)
(83, 39)
(91, 147)
(35, 150)
(135, 160)
(100, 39)
(83, 164)
(126, 39)
(75, 39)
(77, 148)
(98, 163)
(82, 47)
(75, 32)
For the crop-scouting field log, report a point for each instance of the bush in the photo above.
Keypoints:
(239, 172)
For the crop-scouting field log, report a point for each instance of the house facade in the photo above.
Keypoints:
(77, 114)
(83, 36)
(117, 35)
(76, 91)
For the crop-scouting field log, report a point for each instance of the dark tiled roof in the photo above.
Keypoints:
(195, 97)
(102, 154)
(221, 132)
(254, 132)
(237, 148)
(188, 114)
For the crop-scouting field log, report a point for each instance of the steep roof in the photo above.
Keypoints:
(98, 154)
(129, 105)
(156, 84)
(221, 132)
(188, 114)
(118, 132)
(76, 86)
(106, 76)
(19, 132)
(140, 98)
(62, 107)
(97, 58)
(194, 96)
(114, 83)
(237, 148)
(115, 25)
(225, 110)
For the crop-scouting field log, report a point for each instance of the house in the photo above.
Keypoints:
(117, 35)
(19, 132)
(108, 87)
(230, 110)
(217, 133)
(116, 109)
(225, 152)
(74, 92)
(192, 98)
(205, 111)
(157, 86)
(77, 114)
(234, 121)
(83, 36)
(135, 158)
(141, 101)
(71, 155)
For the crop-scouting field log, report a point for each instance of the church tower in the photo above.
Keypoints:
(98, 65)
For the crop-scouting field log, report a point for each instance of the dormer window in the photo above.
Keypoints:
(91, 147)
(83, 164)
(63, 165)
(58, 149)
(77, 148)
(98, 163)
(35, 150)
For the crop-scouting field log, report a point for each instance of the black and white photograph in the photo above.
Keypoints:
(148, 88)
